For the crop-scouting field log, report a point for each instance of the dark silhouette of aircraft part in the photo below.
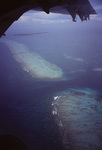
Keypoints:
(9, 142)
(10, 11)
(82, 8)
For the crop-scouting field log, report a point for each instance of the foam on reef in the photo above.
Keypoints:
(78, 114)
(33, 63)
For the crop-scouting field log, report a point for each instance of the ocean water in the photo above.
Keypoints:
(78, 115)
(25, 101)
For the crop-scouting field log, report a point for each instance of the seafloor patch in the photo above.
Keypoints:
(81, 60)
(33, 63)
(98, 69)
(78, 114)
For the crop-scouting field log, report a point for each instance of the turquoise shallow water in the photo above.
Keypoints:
(25, 106)
(33, 63)
(78, 114)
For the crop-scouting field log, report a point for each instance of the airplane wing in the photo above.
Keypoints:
(10, 11)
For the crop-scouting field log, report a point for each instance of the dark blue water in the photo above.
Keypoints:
(25, 103)
(25, 106)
